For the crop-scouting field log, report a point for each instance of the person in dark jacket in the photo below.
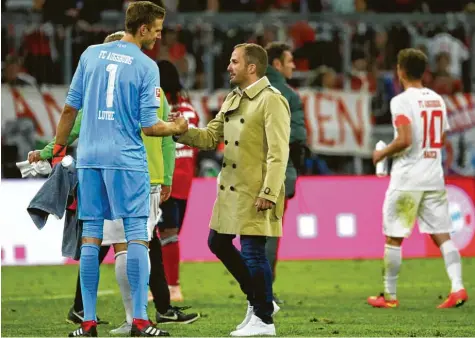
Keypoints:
(279, 70)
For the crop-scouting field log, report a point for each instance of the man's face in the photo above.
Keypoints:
(286, 66)
(151, 34)
(237, 67)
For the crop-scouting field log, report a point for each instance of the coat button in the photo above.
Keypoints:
(226, 142)
(224, 164)
(231, 188)
(234, 165)
(221, 187)
(236, 143)
(226, 119)
(242, 120)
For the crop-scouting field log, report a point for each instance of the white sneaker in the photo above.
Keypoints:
(276, 308)
(123, 329)
(250, 312)
(255, 327)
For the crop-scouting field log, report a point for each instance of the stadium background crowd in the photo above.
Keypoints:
(337, 45)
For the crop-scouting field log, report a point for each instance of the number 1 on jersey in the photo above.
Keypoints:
(112, 70)
(430, 119)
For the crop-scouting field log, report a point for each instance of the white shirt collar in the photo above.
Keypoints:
(241, 92)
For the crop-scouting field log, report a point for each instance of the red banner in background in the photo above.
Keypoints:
(461, 195)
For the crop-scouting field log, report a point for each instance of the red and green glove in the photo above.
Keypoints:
(59, 151)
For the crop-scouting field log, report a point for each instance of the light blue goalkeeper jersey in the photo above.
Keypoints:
(118, 88)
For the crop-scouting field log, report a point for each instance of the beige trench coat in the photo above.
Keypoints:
(255, 127)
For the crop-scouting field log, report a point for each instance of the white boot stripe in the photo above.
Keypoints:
(154, 330)
(148, 329)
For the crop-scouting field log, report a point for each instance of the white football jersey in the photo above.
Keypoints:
(420, 166)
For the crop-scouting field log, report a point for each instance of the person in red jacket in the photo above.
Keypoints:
(173, 210)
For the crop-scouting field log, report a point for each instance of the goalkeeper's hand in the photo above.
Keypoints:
(59, 151)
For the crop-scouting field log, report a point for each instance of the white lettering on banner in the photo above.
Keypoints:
(337, 122)
(184, 153)
(22, 243)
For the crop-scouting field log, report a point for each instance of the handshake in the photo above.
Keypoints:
(180, 122)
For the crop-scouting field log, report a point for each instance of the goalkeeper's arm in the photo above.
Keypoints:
(47, 152)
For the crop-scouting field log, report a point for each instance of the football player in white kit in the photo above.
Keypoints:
(417, 186)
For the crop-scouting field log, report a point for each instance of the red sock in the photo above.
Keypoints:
(141, 323)
(171, 262)
(86, 325)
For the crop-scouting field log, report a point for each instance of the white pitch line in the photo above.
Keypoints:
(20, 299)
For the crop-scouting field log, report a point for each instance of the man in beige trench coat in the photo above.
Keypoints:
(254, 122)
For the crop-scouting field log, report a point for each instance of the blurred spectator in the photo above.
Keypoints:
(379, 50)
(325, 78)
(302, 38)
(39, 52)
(173, 50)
(444, 42)
(265, 35)
(14, 74)
(443, 82)
(18, 138)
(360, 77)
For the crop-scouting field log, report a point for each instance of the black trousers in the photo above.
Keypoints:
(158, 281)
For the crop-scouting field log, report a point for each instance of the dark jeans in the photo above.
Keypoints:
(272, 247)
(249, 267)
(158, 282)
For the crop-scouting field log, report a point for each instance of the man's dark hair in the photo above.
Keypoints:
(142, 13)
(171, 84)
(413, 62)
(255, 55)
(275, 50)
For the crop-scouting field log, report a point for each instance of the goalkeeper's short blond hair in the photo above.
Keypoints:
(114, 36)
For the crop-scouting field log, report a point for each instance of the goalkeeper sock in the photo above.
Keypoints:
(392, 264)
(452, 264)
(89, 269)
(138, 273)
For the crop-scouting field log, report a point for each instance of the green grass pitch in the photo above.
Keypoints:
(322, 298)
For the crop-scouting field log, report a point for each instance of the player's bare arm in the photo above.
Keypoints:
(177, 127)
(66, 123)
(399, 144)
